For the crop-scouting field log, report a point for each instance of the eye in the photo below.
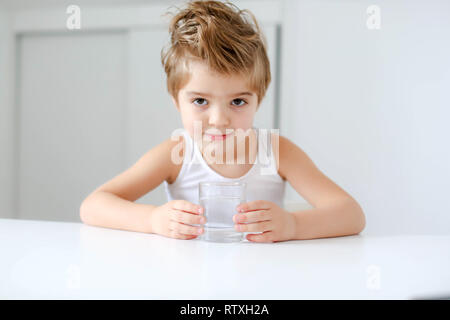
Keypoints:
(197, 99)
(201, 102)
(240, 105)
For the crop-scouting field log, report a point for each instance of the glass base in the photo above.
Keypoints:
(222, 235)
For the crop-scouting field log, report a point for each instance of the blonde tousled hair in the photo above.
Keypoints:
(221, 35)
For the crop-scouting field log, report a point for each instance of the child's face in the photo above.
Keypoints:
(218, 103)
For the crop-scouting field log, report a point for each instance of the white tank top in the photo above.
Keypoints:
(263, 180)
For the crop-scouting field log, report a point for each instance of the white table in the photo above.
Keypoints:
(57, 260)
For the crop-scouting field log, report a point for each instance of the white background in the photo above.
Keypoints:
(370, 107)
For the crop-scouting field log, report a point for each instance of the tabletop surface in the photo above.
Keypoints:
(60, 260)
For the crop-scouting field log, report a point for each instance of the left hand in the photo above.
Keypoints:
(276, 223)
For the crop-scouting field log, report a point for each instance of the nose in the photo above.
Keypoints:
(218, 117)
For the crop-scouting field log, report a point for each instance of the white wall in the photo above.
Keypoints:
(372, 107)
(368, 106)
(54, 147)
(6, 115)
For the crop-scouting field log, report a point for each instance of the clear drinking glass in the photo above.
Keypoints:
(220, 199)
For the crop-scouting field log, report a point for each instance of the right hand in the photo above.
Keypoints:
(173, 218)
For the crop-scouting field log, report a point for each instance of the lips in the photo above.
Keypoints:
(218, 137)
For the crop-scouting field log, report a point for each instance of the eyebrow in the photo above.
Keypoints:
(207, 95)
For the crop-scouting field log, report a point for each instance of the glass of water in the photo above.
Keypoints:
(220, 199)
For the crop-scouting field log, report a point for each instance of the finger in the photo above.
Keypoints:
(254, 227)
(266, 236)
(185, 229)
(253, 216)
(175, 235)
(187, 206)
(254, 205)
(186, 218)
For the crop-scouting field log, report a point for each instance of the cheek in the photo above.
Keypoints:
(188, 119)
(188, 124)
(244, 121)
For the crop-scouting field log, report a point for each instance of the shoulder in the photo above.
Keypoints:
(306, 178)
(174, 149)
(278, 146)
(154, 167)
(286, 154)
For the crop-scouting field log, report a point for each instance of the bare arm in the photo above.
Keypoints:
(112, 204)
(342, 219)
(105, 209)
(335, 211)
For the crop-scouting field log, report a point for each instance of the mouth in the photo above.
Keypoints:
(215, 137)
